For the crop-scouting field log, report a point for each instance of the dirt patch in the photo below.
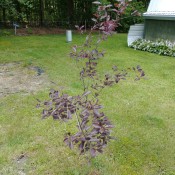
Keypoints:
(17, 78)
(40, 31)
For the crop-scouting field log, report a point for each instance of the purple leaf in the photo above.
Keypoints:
(109, 126)
(142, 74)
(71, 146)
(69, 115)
(96, 2)
(81, 27)
(94, 140)
(86, 93)
(108, 6)
(93, 152)
(100, 151)
(77, 27)
(93, 19)
(96, 126)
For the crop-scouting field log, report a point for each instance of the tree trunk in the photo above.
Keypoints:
(3, 15)
(70, 7)
(41, 12)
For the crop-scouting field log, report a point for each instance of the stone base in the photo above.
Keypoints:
(135, 32)
(159, 29)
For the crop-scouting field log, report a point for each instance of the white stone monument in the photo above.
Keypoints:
(161, 8)
(160, 20)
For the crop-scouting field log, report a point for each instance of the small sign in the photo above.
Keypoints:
(15, 25)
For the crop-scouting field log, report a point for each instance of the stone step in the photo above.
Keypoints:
(138, 24)
(136, 27)
(135, 32)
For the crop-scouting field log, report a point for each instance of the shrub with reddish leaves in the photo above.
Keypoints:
(94, 127)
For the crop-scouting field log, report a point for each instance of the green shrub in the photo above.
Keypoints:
(6, 33)
(128, 18)
(29, 31)
(161, 47)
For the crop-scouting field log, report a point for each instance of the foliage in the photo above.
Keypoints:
(61, 13)
(132, 16)
(29, 31)
(45, 13)
(5, 33)
(15, 10)
(161, 47)
(94, 127)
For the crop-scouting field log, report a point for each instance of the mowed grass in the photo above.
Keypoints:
(143, 112)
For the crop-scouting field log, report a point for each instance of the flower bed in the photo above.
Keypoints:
(161, 47)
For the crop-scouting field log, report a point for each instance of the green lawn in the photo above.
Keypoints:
(143, 112)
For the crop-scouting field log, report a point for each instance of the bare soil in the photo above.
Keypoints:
(39, 31)
(18, 78)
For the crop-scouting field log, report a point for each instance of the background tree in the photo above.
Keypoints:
(61, 13)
